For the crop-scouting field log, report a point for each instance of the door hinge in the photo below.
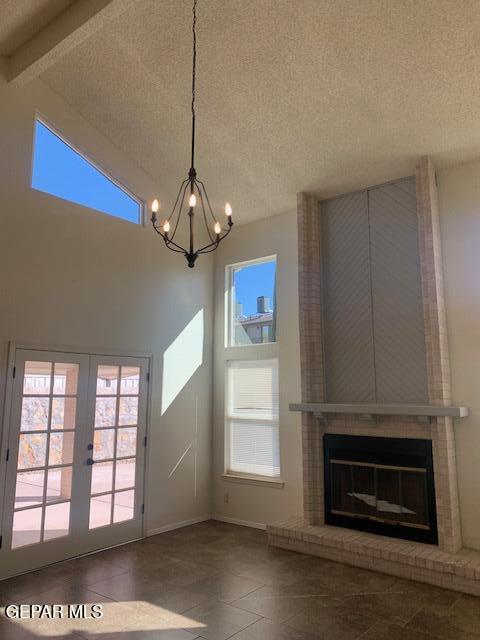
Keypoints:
(1, 540)
(14, 372)
(148, 376)
(142, 509)
(7, 455)
(145, 441)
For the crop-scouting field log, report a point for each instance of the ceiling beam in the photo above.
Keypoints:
(77, 23)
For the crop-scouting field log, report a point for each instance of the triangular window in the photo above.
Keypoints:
(63, 172)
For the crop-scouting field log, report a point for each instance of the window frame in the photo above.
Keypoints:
(247, 352)
(229, 271)
(38, 117)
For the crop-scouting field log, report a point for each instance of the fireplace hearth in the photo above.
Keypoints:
(381, 485)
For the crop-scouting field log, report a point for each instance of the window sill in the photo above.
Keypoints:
(274, 483)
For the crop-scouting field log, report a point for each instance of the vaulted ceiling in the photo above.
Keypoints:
(318, 95)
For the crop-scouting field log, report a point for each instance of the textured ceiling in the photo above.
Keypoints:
(317, 95)
(21, 19)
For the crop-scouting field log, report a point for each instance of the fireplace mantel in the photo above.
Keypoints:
(362, 409)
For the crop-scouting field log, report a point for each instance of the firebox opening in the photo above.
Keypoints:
(382, 485)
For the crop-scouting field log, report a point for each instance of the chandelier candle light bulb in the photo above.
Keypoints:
(191, 186)
(155, 206)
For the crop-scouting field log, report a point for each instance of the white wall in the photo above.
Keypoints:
(260, 503)
(459, 194)
(71, 276)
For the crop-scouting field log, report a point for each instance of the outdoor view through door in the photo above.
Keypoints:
(114, 445)
(45, 452)
(75, 465)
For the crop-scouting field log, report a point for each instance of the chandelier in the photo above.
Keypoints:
(192, 190)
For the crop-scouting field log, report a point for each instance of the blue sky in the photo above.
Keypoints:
(62, 172)
(253, 281)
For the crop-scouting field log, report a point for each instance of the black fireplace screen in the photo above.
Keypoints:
(383, 485)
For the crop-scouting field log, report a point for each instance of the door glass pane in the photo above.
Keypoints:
(107, 380)
(52, 419)
(59, 484)
(126, 442)
(27, 526)
(124, 506)
(125, 474)
(102, 477)
(103, 443)
(100, 511)
(105, 409)
(32, 450)
(37, 378)
(57, 517)
(63, 413)
(35, 414)
(29, 489)
(128, 410)
(129, 380)
(65, 379)
(61, 448)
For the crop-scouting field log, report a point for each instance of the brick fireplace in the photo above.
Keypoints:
(374, 351)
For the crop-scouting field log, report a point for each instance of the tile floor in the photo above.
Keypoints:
(219, 581)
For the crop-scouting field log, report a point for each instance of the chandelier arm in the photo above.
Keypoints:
(186, 183)
(179, 249)
(176, 201)
(205, 215)
(168, 241)
(208, 201)
(207, 249)
(215, 242)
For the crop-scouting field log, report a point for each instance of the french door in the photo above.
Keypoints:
(75, 456)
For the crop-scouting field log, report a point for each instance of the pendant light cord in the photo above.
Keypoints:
(194, 64)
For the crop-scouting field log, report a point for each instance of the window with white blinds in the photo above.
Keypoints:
(252, 418)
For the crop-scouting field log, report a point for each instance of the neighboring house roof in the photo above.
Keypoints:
(259, 318)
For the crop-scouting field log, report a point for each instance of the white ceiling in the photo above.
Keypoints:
(317, 95)
(21, 19)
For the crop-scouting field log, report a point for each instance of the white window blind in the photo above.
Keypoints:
(252, 417)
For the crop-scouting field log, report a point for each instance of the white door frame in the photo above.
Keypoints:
(7, 413)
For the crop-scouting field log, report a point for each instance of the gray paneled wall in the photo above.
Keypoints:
(374, 333)
(348, 335)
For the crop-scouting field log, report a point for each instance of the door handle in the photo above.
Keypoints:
(90, 461)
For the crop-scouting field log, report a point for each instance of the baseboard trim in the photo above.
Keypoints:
(242, 523)
(178, 525)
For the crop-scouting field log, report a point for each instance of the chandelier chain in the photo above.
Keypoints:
(194, 65)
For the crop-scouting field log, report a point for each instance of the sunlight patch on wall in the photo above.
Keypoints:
(182, 359)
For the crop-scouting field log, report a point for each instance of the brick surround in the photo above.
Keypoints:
(448, 564)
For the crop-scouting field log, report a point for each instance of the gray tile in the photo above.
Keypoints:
(426, 593)
(152, 634)
(133, 587)
(224, 586)
(278, 607)
(449, 623)
(396, 607)
(336, 621)
(268, 630)
(383, 630)
(220, 620)
(215, 580)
